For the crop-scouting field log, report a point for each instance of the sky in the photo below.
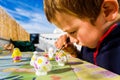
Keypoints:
(29, 14)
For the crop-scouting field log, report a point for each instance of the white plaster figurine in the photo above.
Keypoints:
(41, 65)
(34, 58)
(51, 53)
(61, 58)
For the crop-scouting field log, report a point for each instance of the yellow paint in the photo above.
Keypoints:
(40, 61)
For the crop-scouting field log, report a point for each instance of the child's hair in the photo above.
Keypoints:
(80, 8)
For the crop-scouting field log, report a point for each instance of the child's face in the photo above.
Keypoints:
(81, 31)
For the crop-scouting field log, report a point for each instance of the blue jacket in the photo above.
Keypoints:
(107, 53)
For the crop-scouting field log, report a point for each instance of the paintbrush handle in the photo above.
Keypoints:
(67, 41)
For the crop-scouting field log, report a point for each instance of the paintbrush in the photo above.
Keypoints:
(67, 41)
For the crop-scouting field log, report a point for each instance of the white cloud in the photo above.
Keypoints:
(30, 17)
(22, 12)
(36, 23)
(32, 27)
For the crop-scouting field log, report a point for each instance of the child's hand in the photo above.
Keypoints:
(64, 43)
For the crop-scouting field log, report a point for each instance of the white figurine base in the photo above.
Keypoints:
(61, 64)
(41, 73)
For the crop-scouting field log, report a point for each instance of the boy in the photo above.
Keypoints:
(94, 24)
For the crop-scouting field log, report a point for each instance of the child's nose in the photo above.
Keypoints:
(73, 40)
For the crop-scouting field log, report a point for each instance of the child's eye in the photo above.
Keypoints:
(72, 32)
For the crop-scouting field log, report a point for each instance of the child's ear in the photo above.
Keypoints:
(110, 9)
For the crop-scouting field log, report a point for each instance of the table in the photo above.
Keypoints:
(75, 69)
(87, 71)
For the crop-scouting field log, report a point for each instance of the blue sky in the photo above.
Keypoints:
(29, 14)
